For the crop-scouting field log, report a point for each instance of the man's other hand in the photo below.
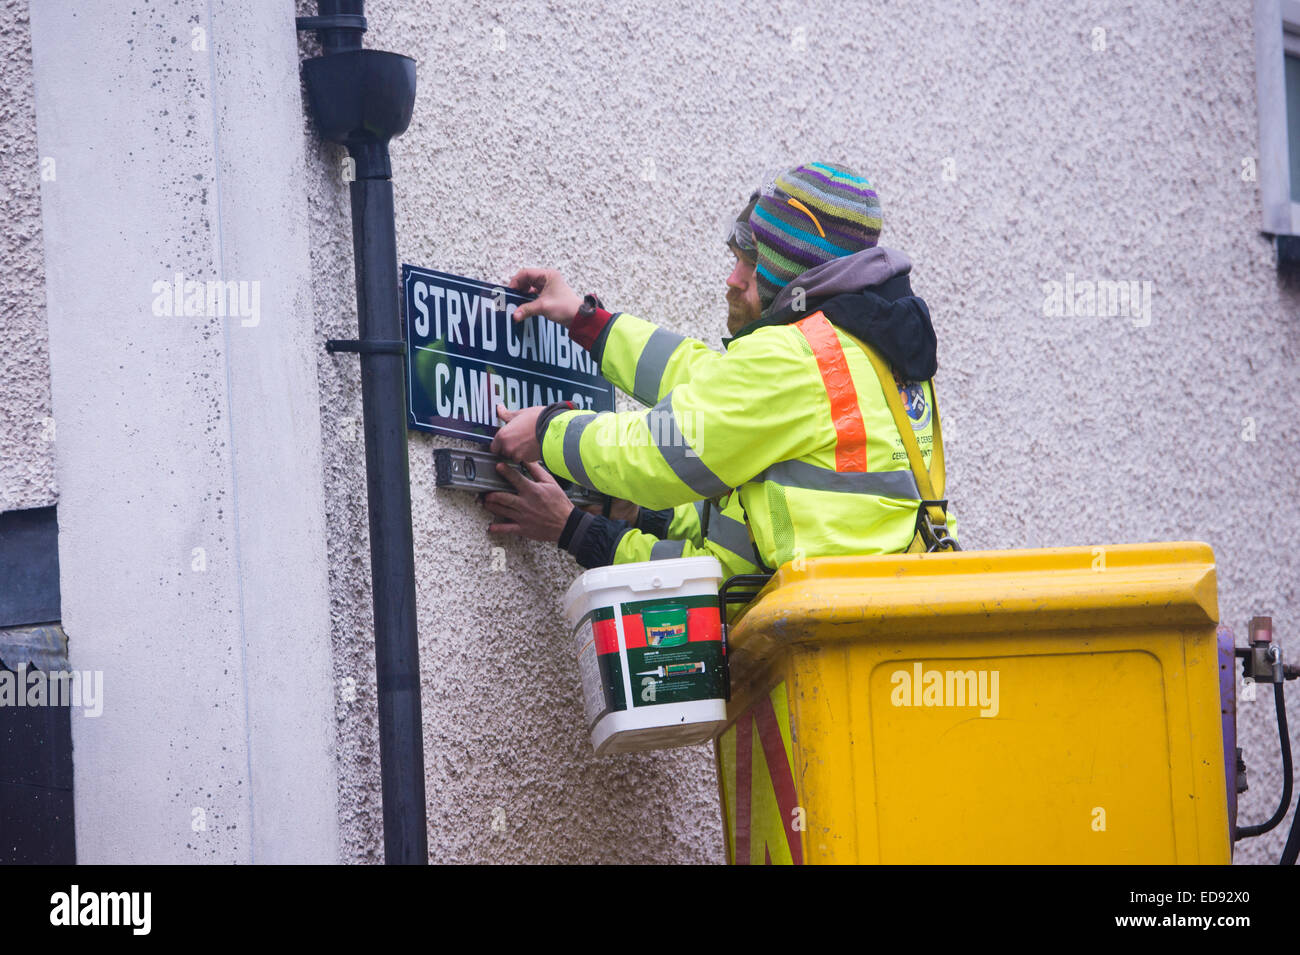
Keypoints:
(517, 438)
(538, 511)
(555, 300)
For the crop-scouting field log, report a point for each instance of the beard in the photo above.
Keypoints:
(739, 314)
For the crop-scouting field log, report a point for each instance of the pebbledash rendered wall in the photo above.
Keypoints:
(26, 422)
(1014, 146)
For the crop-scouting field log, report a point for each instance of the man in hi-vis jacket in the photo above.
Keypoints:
(788, 430)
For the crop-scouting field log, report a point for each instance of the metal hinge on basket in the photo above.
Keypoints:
(934, 536)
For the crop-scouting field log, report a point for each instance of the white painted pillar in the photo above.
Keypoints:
(191, 514)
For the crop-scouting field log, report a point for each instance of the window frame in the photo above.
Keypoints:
(1277, 32)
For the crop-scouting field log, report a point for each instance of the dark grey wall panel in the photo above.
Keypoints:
(29, 567)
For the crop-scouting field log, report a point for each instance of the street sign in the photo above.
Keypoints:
(465, 353)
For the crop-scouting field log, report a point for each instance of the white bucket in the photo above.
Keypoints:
(649, 633)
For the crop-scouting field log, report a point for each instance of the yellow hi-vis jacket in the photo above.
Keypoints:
(728, 538)
(791, 416)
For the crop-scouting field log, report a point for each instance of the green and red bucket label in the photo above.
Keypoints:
(599, 664)
(674, 654)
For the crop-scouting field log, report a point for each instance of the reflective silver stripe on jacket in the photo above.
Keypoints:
(679, 455)
(651, 364)
(572, 457)
(725, 531)
(801, 474)
(667, 550)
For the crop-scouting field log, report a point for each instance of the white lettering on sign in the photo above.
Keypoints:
(547, 332)
(421, 293)
(530, 342)
(488, 310)
(441, 375)
(462, 318)
(512, 343)
(473, 395)
(437, 311)
(485, 358)
(453, 320)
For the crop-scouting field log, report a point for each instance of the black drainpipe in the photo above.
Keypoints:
(362, 99)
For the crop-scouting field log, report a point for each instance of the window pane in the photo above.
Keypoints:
(1293, 121)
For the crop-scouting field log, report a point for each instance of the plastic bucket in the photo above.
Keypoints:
(650, 653)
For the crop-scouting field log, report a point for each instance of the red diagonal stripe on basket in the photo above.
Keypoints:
(744, 776)
(769, 734)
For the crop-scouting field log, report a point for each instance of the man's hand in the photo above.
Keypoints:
(517, 438)
(538, 511)
(555, 300)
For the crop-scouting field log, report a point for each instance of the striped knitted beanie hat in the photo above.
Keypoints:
(809, 215)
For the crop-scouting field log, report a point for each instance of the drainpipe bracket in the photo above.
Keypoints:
(334, 21)
(369, 346)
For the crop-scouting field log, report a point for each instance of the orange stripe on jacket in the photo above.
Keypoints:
(850, 431)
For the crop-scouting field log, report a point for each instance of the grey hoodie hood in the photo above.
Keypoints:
(868, 294)
(848, 273)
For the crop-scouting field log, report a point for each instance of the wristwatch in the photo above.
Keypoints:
(587, 310)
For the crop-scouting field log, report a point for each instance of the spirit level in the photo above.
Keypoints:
(477, 471)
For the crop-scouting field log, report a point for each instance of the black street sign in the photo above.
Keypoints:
(465, 354)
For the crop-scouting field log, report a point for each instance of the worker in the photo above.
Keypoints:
(792, 419)
(624, 532)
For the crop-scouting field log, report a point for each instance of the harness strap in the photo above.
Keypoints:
(851, 433)
(930, 483)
